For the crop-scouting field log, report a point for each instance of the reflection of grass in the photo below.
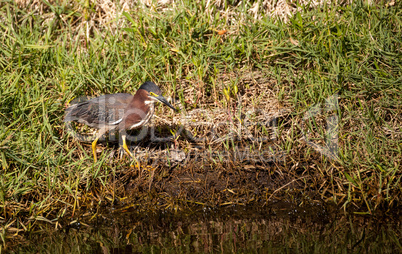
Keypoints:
(232, 229)
(352, 51)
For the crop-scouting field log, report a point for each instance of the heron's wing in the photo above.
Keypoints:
(102, 111)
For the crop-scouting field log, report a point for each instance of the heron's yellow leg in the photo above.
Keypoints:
(94, 148)
(137, 164)
(125, 147)
(100, 133)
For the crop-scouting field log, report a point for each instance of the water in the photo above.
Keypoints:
(235, 229)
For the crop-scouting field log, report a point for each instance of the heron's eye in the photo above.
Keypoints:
(153, 94)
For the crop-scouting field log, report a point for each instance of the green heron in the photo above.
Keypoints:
(117, 112)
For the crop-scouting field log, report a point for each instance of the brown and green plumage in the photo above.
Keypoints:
(117, 112)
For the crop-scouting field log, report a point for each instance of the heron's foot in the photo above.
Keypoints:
(150, 169)
(135, 163)
(121, 153)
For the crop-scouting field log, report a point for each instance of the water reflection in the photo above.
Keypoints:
(232, 231)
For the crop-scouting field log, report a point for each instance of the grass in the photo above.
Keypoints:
(223, 61)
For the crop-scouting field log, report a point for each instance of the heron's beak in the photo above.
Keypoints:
(164, 101)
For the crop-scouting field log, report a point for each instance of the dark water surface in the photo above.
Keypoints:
(234, 229)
